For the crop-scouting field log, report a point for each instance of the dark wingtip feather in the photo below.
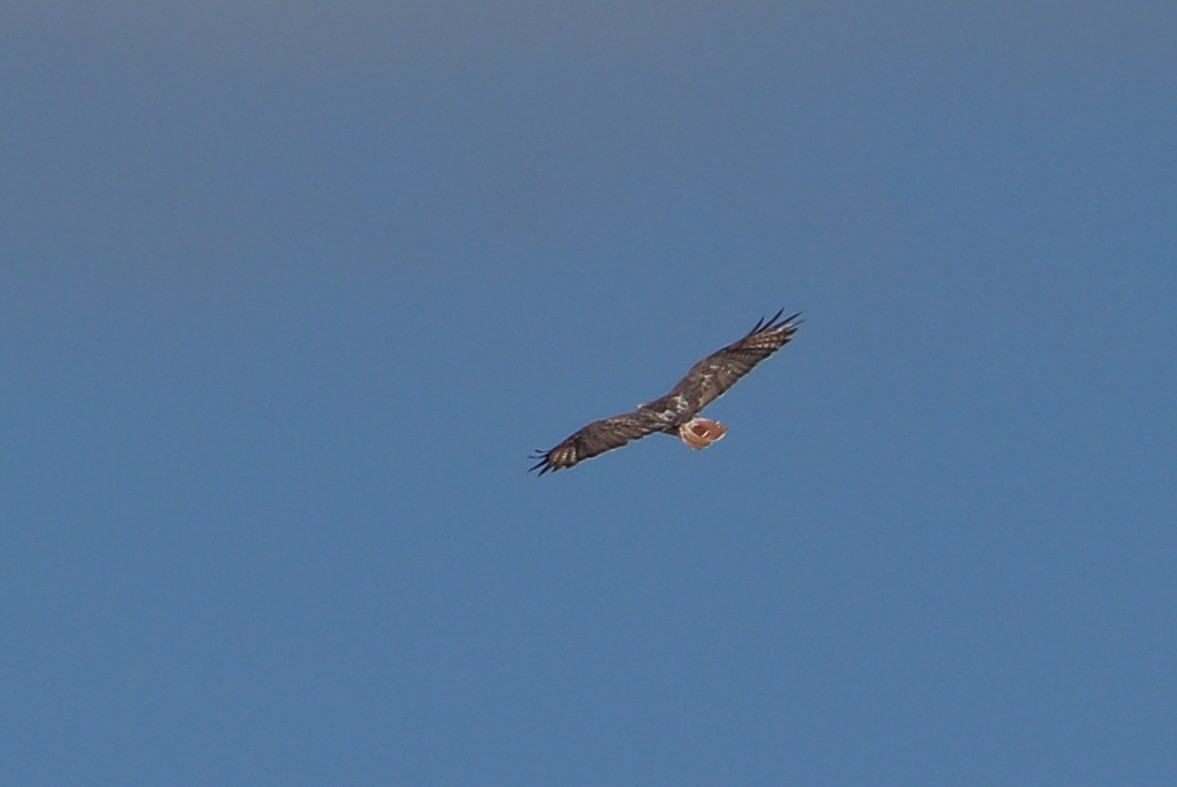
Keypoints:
(544, 464)
(772, 323)
(776, 323)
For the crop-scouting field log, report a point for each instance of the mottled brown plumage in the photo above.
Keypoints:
(677, 411)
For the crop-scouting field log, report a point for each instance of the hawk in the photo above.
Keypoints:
(678, 411)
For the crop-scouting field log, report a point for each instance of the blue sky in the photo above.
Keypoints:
(289, 293)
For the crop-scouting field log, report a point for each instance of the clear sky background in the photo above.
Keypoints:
(289, 291)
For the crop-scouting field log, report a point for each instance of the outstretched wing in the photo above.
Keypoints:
(597, 438)
(705, 382)
(711, 377)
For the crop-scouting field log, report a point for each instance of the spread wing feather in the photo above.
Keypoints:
(597, 438)
(711, 377)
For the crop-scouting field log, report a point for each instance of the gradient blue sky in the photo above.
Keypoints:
(289, 291)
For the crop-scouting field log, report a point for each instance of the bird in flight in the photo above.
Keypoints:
(678, 411)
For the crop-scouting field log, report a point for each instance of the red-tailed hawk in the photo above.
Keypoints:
(678, 411)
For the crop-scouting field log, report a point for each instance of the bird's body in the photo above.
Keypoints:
(678, 411)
